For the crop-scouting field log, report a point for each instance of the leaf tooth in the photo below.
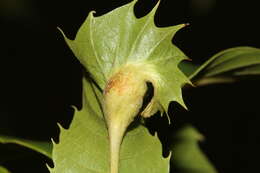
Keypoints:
(169, 156)
(60, 127)
(53, 142)
(63, 34)
(161, 112)
(155, 135)
(181, 102)
(49, 167)
(67, 40)
(168, 117)
(75, 109)
(153, 11)
(169, 159)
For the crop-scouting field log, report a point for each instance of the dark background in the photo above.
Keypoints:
(40, 78)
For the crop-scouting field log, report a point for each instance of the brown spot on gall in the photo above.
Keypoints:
(118, 82)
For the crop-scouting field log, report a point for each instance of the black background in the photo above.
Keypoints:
(40, 78)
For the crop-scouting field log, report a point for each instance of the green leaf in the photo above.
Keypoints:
(3, 170)
(84, 147)
(44, 148)
(228, 65)
(187, 155)
(107, 44)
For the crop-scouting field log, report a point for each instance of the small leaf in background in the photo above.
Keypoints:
(84, 147)
(3, 170)
(44, 148)
(228, 65)
(187, 156)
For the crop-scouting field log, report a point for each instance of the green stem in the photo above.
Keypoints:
(116, 134)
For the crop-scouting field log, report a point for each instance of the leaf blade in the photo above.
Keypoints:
(229, 64)
(90, 153)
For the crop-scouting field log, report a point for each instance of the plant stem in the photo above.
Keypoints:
(116, 134)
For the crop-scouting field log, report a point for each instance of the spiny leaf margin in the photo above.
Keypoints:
(83, 148)
(106, 44)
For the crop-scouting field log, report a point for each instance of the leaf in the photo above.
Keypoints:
(228, 65)
(3, 170)
(84, 147)
(44, 148)
(187, 155)
(107, 44)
